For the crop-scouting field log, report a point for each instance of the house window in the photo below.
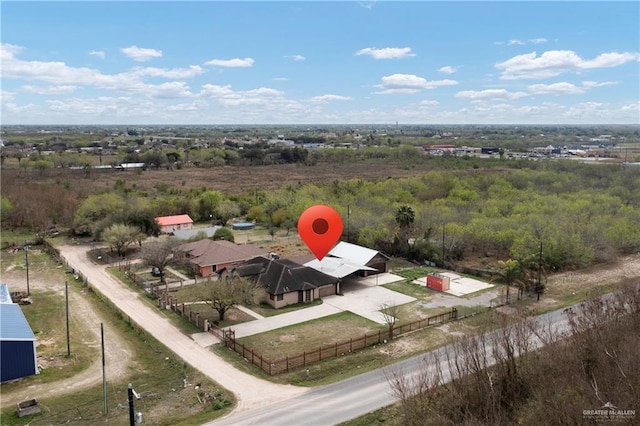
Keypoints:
(280, 297)
(307, 295)
(271, 297)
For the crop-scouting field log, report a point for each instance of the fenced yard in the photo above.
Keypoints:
(288, 348)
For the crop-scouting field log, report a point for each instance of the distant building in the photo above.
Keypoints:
(168, 224)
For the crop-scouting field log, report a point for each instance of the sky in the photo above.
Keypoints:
(312, 62)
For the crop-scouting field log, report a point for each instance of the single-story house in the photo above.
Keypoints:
(209, 256)
(285, 281)
(169, 224)
(18, 357)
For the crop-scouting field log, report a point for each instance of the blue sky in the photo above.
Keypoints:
(320, 62)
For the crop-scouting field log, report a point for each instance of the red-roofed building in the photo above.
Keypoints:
(168, 224)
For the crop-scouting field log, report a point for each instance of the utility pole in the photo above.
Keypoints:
(66, 299)
(443, 253)
(539, 272)
(104, 373)
(26, 259)
(348, 228)
(132, 420)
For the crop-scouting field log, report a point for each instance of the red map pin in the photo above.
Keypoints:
(320, 227)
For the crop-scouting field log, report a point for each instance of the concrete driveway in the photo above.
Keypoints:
(362, 297)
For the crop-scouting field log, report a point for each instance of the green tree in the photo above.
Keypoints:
(226, 211)
(95, 211)
(224, 234)
(279, 217)
(121, 236)
(224, 294)
(207, 204)
(511, 272)
(42, 166)
(5, 208)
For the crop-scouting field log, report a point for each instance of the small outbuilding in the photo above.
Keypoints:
(18, 356)
(170, 224)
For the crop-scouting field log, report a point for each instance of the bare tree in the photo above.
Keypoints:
(157, 254)
(390, 313)
(224, 294)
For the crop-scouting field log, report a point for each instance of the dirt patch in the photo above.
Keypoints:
(623, 269)
(288, 338)
(399, 347)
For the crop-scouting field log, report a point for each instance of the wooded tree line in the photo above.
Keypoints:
(496, 379)
(580, 213)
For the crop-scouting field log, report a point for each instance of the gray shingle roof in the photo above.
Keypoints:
(285, 276)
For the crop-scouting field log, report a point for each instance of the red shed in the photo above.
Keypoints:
(438, 282)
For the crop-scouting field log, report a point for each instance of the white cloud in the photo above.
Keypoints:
(49, 90)
(367, 5)
(7, 96)
(538, 40)
(429, 103)
(448, 69)
(228, 97)
(231, 63)
(490, 94)
(191, 71)
(562, 88)
(409, 83)
(516, 42)
(280, 78)
(64, 77)
(387, 52)
(173, 89)
(98, 53)
(8, 51)
(327, 98)
(555, 62)
(296, 57)
(592, 84)
(141, 54)
(631, 107)
(193, 106)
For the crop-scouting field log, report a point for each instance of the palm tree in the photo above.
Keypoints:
(405, 216)
(510, 273)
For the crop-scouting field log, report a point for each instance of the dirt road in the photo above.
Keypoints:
(251, 392)
(117, 352)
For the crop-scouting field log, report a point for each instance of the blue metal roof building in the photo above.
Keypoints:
(17, 342)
